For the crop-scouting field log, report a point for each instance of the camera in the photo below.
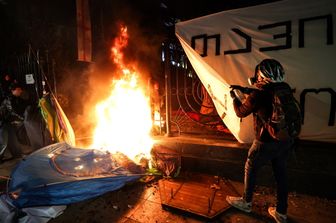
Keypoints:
(244, 90)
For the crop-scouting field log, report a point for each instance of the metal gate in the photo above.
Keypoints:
(188, 107)
(31, 69)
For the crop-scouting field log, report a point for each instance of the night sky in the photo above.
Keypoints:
(49, 28)
(44, 23)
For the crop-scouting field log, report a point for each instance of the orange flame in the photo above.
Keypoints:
(119, 44)
(124, 118)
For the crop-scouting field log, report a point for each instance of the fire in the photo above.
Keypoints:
(119, 44)
(124, 118)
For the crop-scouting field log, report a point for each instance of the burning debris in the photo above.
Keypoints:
(124, 118)
(166, 161)
(61, 174)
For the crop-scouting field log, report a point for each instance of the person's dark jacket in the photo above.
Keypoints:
(20, 103)
(13, 107)
(259, 102)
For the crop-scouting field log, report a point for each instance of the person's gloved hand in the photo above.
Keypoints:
(232, 94)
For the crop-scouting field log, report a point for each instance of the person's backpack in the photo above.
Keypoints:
(285, 121)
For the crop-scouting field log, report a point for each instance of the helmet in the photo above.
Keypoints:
(269, 71)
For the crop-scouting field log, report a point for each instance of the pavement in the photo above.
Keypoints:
(140, 202)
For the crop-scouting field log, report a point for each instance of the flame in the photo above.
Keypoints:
(119, 44)
(124, 118)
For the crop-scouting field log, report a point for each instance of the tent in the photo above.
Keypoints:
(42, 125)
(60, 174)
(57, 123)
(225, 47)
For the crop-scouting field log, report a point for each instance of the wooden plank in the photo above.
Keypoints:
(200, 194)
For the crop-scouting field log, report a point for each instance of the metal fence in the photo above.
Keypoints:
(188, 106)
(31, 69)
(185, 105)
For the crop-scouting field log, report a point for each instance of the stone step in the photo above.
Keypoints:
(311, 166)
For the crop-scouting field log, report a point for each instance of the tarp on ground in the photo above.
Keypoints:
(60, 174)
(225, 47)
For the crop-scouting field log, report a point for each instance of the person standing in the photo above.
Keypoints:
(269, 74)
(13, 111)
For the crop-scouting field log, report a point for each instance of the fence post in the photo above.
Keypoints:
(166, 61)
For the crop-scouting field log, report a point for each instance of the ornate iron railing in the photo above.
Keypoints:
(188, 106)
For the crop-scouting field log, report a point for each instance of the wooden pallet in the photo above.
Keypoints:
(202, 195)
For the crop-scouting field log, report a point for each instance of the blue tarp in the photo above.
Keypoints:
(60, 174)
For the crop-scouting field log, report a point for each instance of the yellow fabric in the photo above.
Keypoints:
(56, 120)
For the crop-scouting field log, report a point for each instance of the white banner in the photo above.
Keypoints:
(225, 47)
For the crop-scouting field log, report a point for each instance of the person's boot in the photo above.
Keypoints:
(239, 203)
(279, 218)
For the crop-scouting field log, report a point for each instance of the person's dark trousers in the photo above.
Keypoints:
(258, 155)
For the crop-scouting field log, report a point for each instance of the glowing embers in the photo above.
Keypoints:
(92, 163)
(158, 119)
